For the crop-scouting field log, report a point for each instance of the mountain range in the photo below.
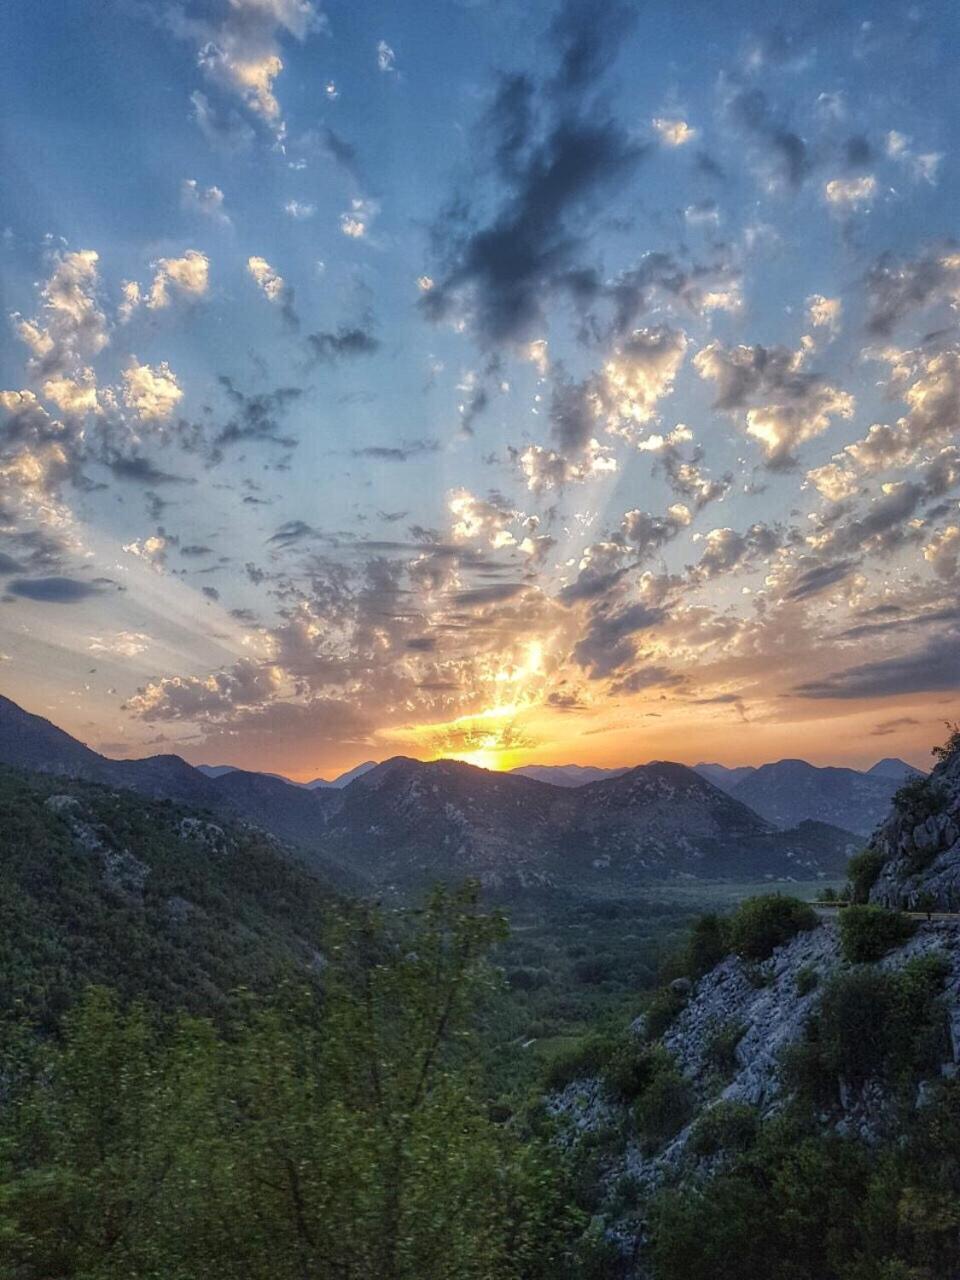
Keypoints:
(404, 823)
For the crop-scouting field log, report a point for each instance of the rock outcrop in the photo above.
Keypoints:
(919, 843)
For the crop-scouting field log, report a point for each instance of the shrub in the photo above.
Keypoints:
(951, 745)
(720, 1050)
(579, 1061)
(662, 1010)
(919, 799)
(663, 1109)
(867, 933)
(632, 1067)
(807, 979)
(726, 1126)
(709, 944)
(761, 924)
(871, 1023)
(864, 870)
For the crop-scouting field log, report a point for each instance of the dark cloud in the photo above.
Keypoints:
(9, 565)
(489, 595)
(346, 343)
(750, 111)
(397, 453)
(809, 582)
(292, 532)
(897, 287)
(554, 159)
(55, 590)
(891, 726)
(196, 549)
(608, 645)
(140, 470)
(256, 417)
(934, 667)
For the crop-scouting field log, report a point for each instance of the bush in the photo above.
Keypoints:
(720, 1050)
(919, 799)
(580, 1061)
(807, 979)
(864, 870)
(761, 924)
(726, 1126)
(709, 944)
(663, 1109)
(871, 1024)
(632, 1067)
(867, 933)
(662, 1010)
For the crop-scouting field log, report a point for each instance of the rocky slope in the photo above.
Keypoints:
(918, 846)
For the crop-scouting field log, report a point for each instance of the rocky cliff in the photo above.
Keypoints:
(917, 849)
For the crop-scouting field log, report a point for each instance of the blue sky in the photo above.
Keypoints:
(512, 382)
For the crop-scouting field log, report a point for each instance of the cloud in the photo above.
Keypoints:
(299, 210)
(241, 53)
(207, 201)
(785, 404)
(274, 288)
(609, 643)
(402, 452)
(824, 313)
(674, 132)
(898, 287)
(545, 469)
(554, 161)
(347, 342)
(153, 550)
(151, 391)
(54, 590)
(386, 58)
(783, 152)
(257, 416)
(188, 276)
(245, 685)
(942, 552)
(480, 519)
(356, 222)
(850, 193)
(726, 550)
(71, 327)
(933, 667)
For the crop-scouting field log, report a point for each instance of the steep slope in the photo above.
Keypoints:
(148, 897)
(291, 812)
(665, 818)
(917, 850)
(789, 791)
(407, 822)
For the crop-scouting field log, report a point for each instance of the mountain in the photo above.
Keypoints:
(288, 811)
(344, 779)
(893, 767)
(404, 823)
(790, 791)
(722, 777)
(407, 822)
(567, 775)
(152, 898)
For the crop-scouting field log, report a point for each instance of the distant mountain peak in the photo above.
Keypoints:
(893, 767)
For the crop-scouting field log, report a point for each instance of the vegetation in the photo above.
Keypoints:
(919, 798)
(759, 925)
(334, 1138)
(867, 933)
(871, 1024)
(726, 1127)
(664, 1107)
(864, 870)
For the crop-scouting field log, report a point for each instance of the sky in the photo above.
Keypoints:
(515, 382)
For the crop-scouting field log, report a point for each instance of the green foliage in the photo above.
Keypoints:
(585, 1058)
(919, 798)
(951, 746)
(662, 1109)
(867, 933)
(761, 924)
(871, 1024)
(662, 1010)
(330, 1139)
(864, 870)
(798, 1205)
(709, 944)
(727, 1127)
(806, 980)
(720, 1048)
(632, 1068)
(212, 915)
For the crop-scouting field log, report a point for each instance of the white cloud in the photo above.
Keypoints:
(71, 326)
(824, 313)
(207, 201)
(545, 469)
(299, 211)
(189, 276)
(269, 280)
(73, 396)
(152, 392)
(386, 58)
(850, 193)
(674, 132)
